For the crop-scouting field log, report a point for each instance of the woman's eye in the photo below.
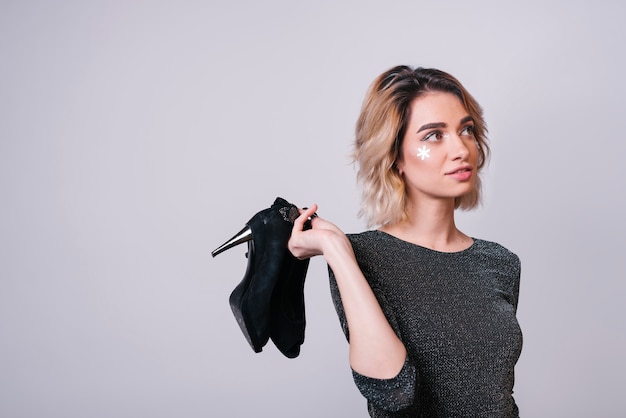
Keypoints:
(468, 131)
(433, 136)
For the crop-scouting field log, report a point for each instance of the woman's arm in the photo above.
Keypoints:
(375, 349)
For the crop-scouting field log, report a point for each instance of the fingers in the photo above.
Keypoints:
(305, 215)
(309, 211)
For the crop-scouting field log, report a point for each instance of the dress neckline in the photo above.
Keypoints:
(393, 237)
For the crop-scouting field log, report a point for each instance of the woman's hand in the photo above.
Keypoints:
(319, 240)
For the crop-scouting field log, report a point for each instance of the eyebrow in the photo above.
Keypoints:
(442, 124)
(466, 119)
(431, 126)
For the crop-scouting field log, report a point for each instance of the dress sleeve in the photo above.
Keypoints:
(392, 394)
(516, 276)
(517, 284)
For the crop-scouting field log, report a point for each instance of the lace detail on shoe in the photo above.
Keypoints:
(289, 214)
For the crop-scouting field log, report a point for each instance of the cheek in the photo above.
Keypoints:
(418, 155)
(426, 154)
(423, 152)
(474, 151)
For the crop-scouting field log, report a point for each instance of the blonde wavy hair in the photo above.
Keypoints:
(379, 132)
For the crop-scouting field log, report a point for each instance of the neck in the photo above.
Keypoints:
(430, 224)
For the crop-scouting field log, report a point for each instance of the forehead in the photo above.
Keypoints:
(436, 106)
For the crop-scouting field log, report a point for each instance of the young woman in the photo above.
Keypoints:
(429, 311)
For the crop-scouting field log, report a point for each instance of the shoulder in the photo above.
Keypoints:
(371, 249)
(504, 266)
(364, 239)
(492, 251)
(369, 243)
(364, 242)
(493, 247)
(364, 236)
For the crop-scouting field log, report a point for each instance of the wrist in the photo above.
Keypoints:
(337, 248)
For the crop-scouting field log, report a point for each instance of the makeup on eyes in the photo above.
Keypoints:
(431, 135)
(472, 129)
(439, 135)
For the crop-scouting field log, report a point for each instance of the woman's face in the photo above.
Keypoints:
(439, 154)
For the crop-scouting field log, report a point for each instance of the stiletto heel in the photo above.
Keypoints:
(242, 236)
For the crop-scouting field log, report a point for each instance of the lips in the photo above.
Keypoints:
(461, 173)
(460, 169)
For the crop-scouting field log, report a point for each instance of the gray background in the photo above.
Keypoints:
(136, 136)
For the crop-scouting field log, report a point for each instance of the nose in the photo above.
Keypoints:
(458, 148)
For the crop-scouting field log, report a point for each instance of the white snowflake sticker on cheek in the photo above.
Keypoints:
(423, 152)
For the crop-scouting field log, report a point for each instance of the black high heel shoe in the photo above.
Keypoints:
(267, 234)
(288, 320)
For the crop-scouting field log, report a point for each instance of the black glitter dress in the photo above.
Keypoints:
(455, 313)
